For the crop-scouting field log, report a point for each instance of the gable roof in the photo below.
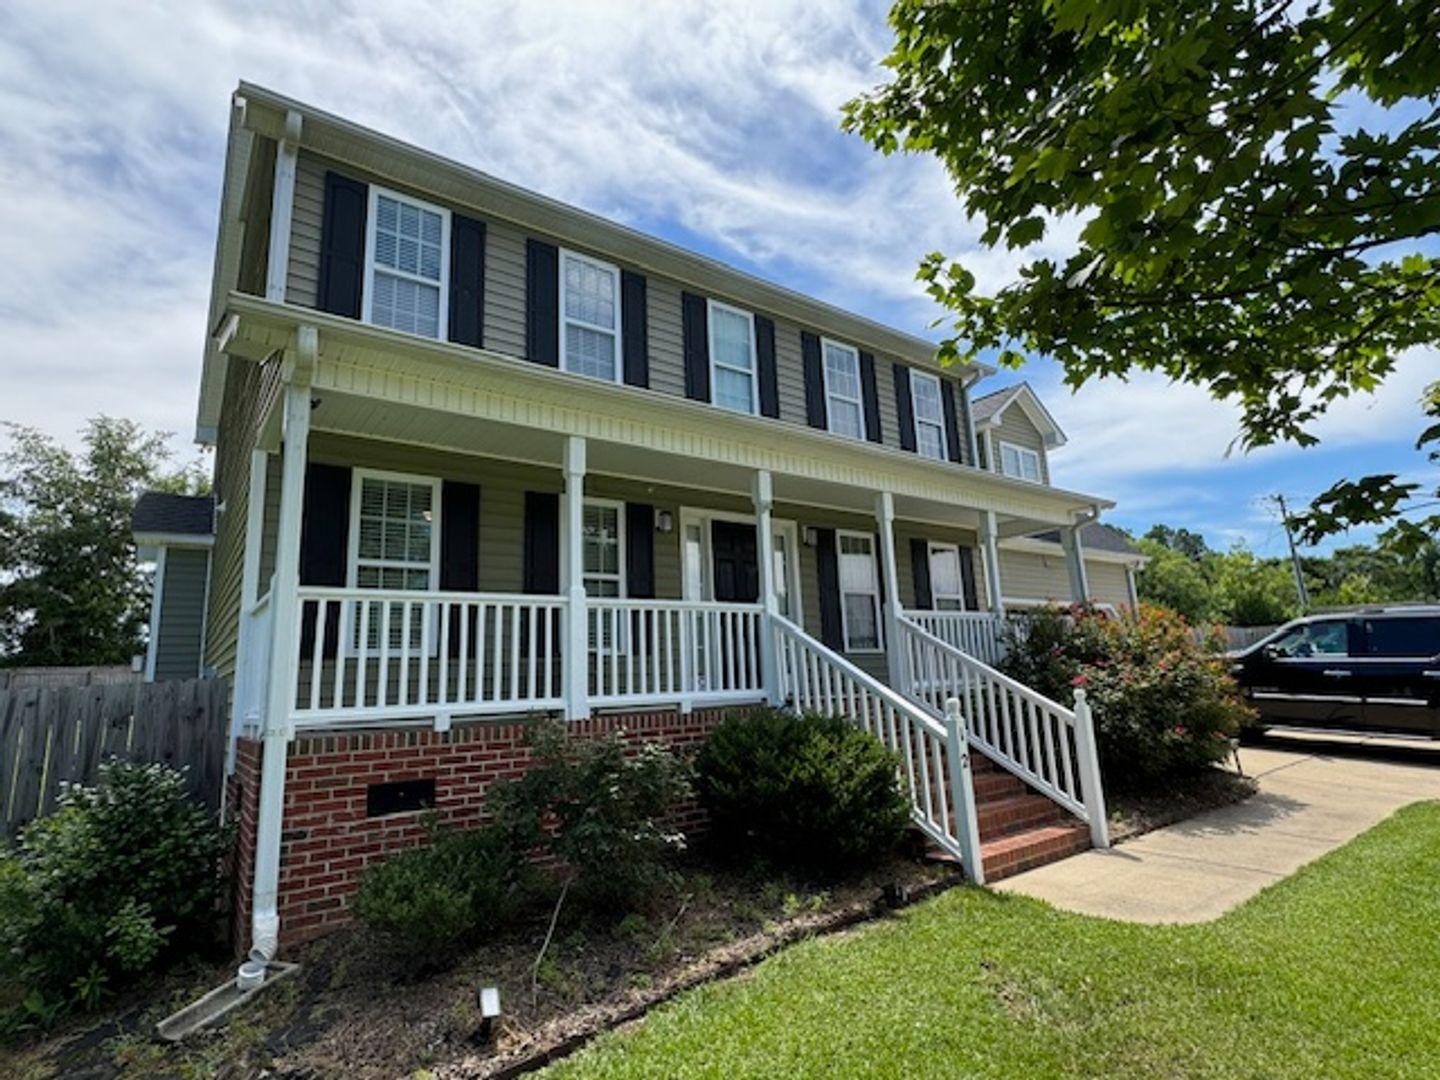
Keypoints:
(1097, 536)
(161, 513)
(989, 408)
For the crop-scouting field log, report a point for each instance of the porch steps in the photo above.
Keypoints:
(1019, 829)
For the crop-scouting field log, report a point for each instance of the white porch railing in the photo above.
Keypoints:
(1050, 747)
(976, 633)
(653, 651)
(935, 764)
(253, 678)
(372, 654)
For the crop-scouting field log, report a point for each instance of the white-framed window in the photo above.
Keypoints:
(929, 416)
(590, 316)
(859, 590)
(1019, 461)
(947, 583)
(407, 264)
(603, 541)
(394, 544)
(844, 408)
(733, 384)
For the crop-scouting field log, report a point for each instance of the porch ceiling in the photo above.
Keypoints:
(380, 384)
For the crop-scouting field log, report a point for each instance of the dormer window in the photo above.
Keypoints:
(843, 409)
(732, 358)
(407, 263)
(1020, 462)
(929, 416)
(590, 316)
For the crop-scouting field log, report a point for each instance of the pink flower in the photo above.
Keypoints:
(1080, 680)
(1180, 730)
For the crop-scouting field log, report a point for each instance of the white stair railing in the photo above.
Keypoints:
(934, 759)
(1050, 747)
(977, 633)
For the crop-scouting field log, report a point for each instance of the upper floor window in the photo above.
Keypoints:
(1019, 461)
(859, 590)
(843, 406)
(407, 263)
(590, 316)
(929, 416)
(947, 583)
(732, 358)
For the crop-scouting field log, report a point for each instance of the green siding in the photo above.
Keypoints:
(181, 629)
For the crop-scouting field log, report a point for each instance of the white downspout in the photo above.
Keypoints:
(285, 629)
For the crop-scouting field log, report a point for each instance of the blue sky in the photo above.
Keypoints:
(712, 125)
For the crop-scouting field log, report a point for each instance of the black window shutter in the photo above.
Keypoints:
(968, 449)
(832, 624)
(542, 542)
(542, 303)
(871, 398)
(814, 380)
(905, 407)
(952, 423)
(633, 319)
(640, 551)
(967, 578)
(324, 546)
(342, 245)
(460, 536)
(697, 347)
(920, 567)
(769, 377)
(467, 280)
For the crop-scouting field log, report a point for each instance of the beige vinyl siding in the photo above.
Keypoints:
(236, 439)
(1028, 575)
(1108, 582)
(1015, 427)
(504, 325)
(181, 630)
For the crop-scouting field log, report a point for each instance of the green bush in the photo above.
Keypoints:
(461, 887)
(605, 803)
(121, 877)
(1163, 704)
(805, 791)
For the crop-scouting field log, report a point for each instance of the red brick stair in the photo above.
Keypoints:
(1020, 829)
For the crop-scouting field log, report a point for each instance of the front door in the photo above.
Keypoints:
(736, 564)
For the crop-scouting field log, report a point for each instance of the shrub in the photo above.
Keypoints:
(806, 791)
(606, 804)
(1163, 703)
(461, 887)
(123, 875)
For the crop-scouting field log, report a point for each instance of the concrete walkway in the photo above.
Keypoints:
(1315, 794)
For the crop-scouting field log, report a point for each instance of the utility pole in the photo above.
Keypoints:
(1300, 593)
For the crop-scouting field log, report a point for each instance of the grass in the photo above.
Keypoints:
(1331, 973)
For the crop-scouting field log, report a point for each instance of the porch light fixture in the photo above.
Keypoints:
(810, 535)
(664, 522)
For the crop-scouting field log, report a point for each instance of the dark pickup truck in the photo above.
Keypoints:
(1374, 670)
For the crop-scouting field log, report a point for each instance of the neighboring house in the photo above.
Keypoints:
(480, 454)
(176, 533)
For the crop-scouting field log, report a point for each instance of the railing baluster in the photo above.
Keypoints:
(483, 691)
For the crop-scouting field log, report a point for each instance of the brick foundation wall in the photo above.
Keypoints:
(327, 839)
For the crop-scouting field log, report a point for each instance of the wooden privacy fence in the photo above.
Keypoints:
(53, 734)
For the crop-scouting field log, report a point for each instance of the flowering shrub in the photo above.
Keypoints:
(1163, 704)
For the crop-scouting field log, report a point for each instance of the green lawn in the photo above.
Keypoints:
(1334, 972)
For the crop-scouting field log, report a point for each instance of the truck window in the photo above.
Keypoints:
(1402, 636)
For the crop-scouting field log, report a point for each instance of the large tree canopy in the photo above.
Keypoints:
(1258, 185)
(70, 590)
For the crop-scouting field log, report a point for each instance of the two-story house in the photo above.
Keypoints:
(480, 455)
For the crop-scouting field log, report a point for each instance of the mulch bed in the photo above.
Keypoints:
(1135, 813)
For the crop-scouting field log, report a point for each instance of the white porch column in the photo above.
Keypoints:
(285, 613)
(991, 552)
(250, 683)
(1075, 563)
(885, 519)
(762, 494)
(572, 571)
(282, 209)
(1132, 588)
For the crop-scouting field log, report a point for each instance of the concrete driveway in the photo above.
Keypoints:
(1315, 794)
